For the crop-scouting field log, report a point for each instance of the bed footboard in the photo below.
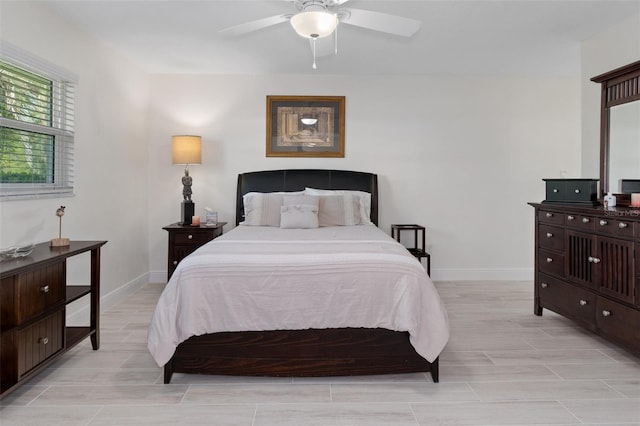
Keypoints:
(300, 353)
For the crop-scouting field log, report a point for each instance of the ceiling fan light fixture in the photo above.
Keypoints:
(314, 24)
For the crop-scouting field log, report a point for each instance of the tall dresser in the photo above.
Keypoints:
(587, 268)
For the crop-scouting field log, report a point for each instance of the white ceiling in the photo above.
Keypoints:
(474, 37)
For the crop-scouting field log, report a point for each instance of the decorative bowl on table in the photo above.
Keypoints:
(16, 251)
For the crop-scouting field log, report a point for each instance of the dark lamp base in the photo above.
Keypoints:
(188, 209)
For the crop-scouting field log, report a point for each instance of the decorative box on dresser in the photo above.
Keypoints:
(33, 299)
(587, 268)
(185, 239)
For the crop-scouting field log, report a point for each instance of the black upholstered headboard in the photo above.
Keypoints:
(298, 179)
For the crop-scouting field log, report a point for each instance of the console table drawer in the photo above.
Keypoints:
(39, 341)
(30, 293)
(551, 237)
(551, 263)
(568, 300)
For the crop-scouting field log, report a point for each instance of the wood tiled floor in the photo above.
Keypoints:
(502, 366)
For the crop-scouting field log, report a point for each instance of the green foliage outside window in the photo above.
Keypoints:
(26, 154)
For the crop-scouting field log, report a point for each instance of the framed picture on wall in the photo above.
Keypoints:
(305, 126)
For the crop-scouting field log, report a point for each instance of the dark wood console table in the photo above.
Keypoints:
(33, 299)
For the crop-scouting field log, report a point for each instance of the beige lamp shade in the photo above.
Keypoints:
(186, 149)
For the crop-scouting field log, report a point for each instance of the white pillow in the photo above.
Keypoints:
(299, 216)
(338, 210)
(363, 199)
(263, 208)
(298, 199)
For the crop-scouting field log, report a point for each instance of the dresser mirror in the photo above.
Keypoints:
(624, 144)
(619, 126)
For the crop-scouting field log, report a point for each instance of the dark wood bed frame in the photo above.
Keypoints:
(313, 352)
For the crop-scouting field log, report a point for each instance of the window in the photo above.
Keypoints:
(36, 132)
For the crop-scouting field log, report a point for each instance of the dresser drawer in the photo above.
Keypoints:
(566, 299)
(551, 237)
(585, 223)
(30, 293)
(551, 263)
(193, 238)
(616, 227)
(619, 322)
(551, 218)
(39, 341)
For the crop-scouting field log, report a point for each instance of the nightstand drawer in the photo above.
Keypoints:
(31, 293)
(185, 239)
(195, 238)
(39, 341)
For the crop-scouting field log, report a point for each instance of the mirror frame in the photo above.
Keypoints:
(618, 86)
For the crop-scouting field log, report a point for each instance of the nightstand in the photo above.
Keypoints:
(185, 239)
(418, 250)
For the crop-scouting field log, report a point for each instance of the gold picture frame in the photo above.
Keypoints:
(305, 126)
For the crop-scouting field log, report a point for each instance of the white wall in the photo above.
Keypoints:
(110, 201)
(613, 48)
(461, 156)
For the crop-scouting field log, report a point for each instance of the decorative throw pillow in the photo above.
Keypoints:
(299, 216)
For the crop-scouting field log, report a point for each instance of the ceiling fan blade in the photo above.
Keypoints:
(383, 22)
(256, 25)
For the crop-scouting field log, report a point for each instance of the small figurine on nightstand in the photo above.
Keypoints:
(60, 242)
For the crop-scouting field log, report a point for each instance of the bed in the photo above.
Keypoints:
(269, 321)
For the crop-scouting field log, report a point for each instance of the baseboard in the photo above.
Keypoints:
(78, 312)
(504, 274)
(157, 276)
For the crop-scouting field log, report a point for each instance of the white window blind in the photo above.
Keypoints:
(36, 129)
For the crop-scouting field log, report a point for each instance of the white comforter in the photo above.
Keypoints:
(265, 278)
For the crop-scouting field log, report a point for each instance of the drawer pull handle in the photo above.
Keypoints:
(549, 260)
(44, 289)
(592, 259)
(606, 313)
(190, 237)
(577, 191)
(549, 235)
(175, 262)
(544, 285)
(570, 217)
(622, 225)
(43, 340)
(586, 220)
(555, 190)
(603, 222)
(583, 302)
(549, 215)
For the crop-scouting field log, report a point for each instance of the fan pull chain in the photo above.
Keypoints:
(313, 42)
(335, 40)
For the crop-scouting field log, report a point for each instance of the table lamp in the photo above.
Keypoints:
(186, 149)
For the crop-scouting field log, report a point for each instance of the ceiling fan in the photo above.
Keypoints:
(317, 19)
